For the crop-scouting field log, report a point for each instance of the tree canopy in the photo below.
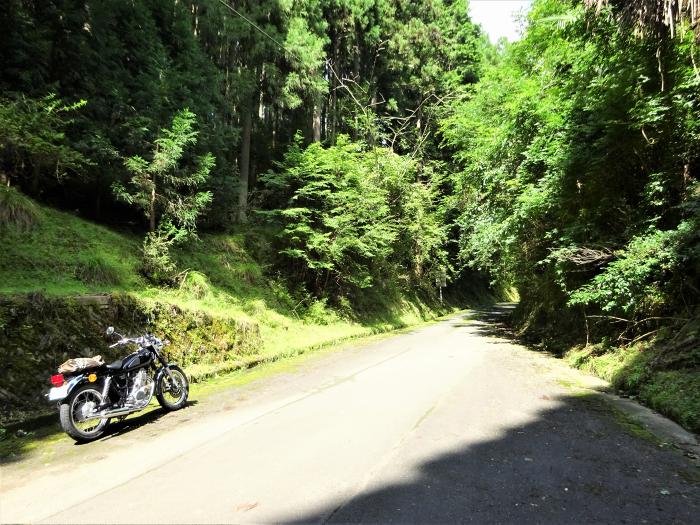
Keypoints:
(382, 142)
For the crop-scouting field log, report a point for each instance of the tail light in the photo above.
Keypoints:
(57, 380)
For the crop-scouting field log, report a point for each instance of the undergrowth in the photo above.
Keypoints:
(662, 373)
(639, 371)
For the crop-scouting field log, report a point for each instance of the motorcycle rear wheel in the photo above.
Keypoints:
(81, 402)
(173, 396)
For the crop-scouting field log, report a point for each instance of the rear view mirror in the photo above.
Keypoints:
(110, 330)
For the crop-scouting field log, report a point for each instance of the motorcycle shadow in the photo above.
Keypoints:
(130, 424)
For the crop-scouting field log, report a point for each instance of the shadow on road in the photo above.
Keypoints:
(492, 321)
(117, 428)
(572, 464)
(14, 449)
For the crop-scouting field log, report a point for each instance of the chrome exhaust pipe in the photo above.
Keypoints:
(115, 412)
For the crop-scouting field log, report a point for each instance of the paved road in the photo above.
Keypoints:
(448, 423)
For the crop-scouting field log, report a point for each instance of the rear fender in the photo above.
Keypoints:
(62, 392)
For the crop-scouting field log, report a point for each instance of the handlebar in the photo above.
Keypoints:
(147, 339)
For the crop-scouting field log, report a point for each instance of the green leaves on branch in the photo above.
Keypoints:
(644, 274)
(353, 218)
(167, 190)
(33, 141)
(578, 164)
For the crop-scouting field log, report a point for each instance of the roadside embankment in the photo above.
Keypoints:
(38, 333)
(667, 380)
(662, 372)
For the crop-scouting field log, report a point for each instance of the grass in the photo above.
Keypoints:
(632, 426)
(63, 254)
(638, 370)
(676, 393)
(17, 213)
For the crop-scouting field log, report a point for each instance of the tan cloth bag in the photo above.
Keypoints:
(80, 363)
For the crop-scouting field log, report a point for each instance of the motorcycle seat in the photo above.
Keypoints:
(116, 365)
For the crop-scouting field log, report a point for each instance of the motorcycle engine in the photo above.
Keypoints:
(141, 389)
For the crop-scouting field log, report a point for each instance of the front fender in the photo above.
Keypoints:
(62, 392)
(159, 375)
(161, 372)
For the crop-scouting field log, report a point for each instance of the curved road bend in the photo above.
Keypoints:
(448, 423)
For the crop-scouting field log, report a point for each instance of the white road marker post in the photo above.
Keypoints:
(441, 281)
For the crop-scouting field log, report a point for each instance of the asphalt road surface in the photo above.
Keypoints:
(448, 423)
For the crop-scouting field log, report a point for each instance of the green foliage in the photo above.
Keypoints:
(378, 71)
(168, 194)
(577, 168)
(353, 218)
(195, 284)
(165, 191)
(156, 263)
(319, 313)
(33, 141)
(637, 280)
(96, 271)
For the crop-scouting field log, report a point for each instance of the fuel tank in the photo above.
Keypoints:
(136, 360)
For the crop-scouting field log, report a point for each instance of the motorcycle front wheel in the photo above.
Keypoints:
(172, 395)
(73, 413)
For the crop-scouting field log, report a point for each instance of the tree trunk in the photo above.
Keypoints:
(316, 124)
(334, 86)
(36, 180)
(252, 175)
(152, 208)
(245, 164)
(98, 203)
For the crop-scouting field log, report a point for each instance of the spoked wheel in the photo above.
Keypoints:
(172, 395)
(76, 411)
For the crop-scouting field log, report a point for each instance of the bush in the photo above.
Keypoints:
(636, 281)
(195, 284)
(33, 144)
(96, 270)
(352, 218)
(319, 313)
(17, 212)
(156, 264)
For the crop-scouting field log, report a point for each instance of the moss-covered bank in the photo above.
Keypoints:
(667, 381)
(38, 333)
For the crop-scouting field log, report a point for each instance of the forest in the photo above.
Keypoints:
(367, 148)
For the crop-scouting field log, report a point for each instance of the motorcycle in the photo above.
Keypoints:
(88, 398)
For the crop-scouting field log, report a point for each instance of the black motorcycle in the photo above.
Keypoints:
(92, 395)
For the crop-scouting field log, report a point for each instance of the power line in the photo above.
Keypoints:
(256, 26)
(268, 35)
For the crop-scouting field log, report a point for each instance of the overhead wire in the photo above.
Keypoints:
(260, 29)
